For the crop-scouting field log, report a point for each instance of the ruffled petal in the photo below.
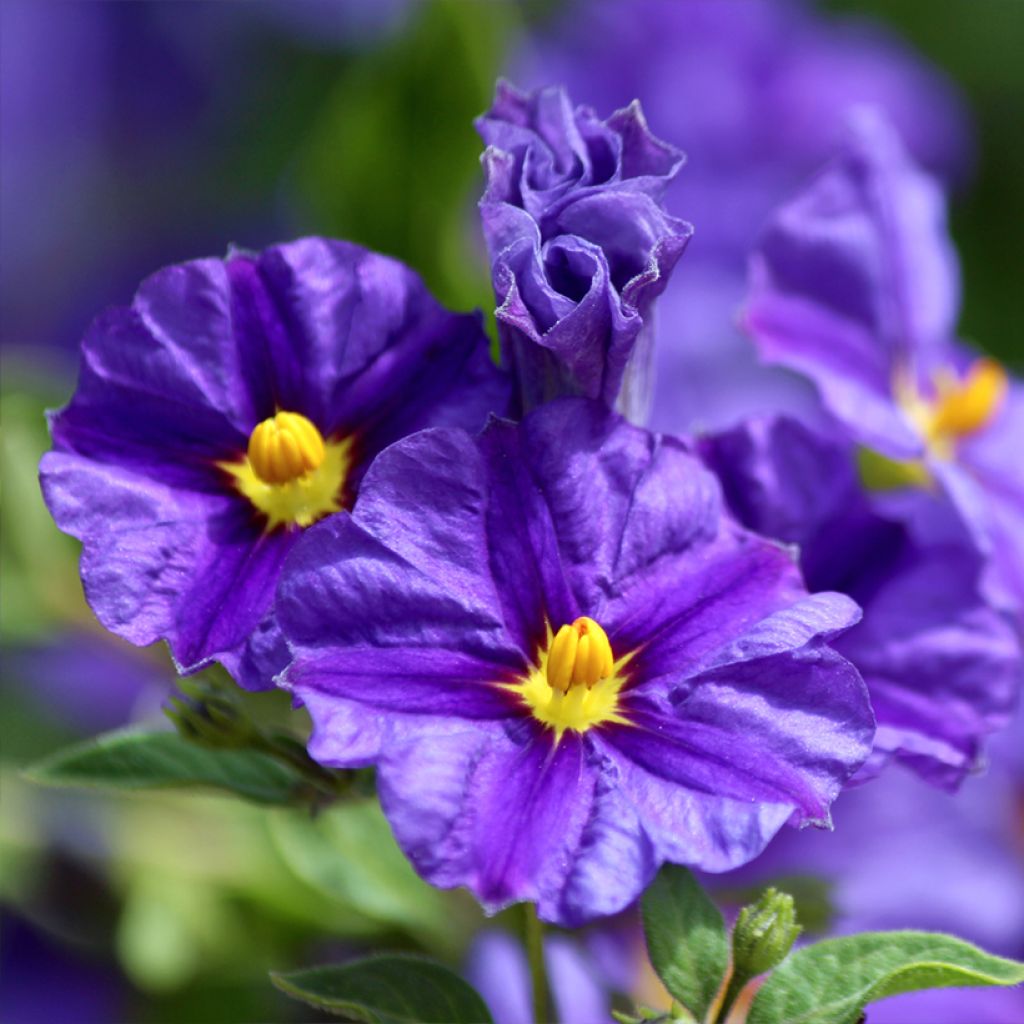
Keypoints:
(855, 277)
(159, 562)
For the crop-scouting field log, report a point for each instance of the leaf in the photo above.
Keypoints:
(153, 760)
(349, 854)
(387, 990)
(686, 938)
(832, 981)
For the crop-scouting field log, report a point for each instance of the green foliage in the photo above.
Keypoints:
(392, 159)
(39, 586)
(349, 855)
(387, 990)
(833, 981)
(151, 760)
(686, 938)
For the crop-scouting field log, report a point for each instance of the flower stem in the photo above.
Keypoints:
(534, 938)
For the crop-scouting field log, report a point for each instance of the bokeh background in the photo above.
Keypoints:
(135, 134)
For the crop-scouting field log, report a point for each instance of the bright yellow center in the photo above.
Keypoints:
(285, 447)
(958, 407)
(289, 472)
(576, 681)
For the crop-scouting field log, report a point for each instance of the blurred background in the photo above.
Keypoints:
(133, 135)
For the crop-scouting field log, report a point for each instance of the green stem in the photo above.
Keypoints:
(534, 936)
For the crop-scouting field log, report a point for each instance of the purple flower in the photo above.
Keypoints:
(579, 241)
(566, 663)
(756, 94)
(87, 681)
(942, 666)
(855, 285)
(497, 969)
(233, 404)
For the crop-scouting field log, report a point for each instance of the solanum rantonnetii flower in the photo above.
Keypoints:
(568, 664)
(755, 93)
(235, 403)
(941, 663)
(580, 244)
(855, 285)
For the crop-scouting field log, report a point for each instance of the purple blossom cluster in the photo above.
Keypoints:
(573, 649)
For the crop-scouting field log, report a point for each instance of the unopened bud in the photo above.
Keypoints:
(764, 933)
(209, 714)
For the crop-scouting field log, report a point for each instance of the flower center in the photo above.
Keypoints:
(576, 682)
(958, 406)
(289, 472)
(285, 447)
(580, 655)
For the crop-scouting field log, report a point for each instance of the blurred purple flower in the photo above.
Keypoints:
(233, 404)
(43, 981)
(566, 663)
(855, 285)
(89, 682)
(497, 969)
(756, 94)
(580, 244)
(952, 1006)
(942, 666)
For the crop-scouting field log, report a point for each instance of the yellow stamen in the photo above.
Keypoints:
(284, 447)
(965, 407)
(289, 473)
(576, 682)
(580, 655)
(958, 407)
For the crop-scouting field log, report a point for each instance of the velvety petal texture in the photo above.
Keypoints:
(854, 278)
(413, 620)
(175, 384)
(580, 244)
(942, 664)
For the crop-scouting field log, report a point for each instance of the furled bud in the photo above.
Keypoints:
(764, 933)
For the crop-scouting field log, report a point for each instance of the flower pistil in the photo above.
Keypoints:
(290, 473)
(576, 682)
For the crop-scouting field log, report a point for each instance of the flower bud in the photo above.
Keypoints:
(764, 933)
(209, 714)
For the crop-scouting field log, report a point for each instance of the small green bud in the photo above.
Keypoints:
(209, 714)
(764, 933)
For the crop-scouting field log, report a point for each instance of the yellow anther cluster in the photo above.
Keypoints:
(284, 448)
(580, 655)
(963, 407)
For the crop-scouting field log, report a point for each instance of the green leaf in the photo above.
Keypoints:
(686, 938)
(832, 981)
(387, 990)
(349, 854)
(152, 760)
